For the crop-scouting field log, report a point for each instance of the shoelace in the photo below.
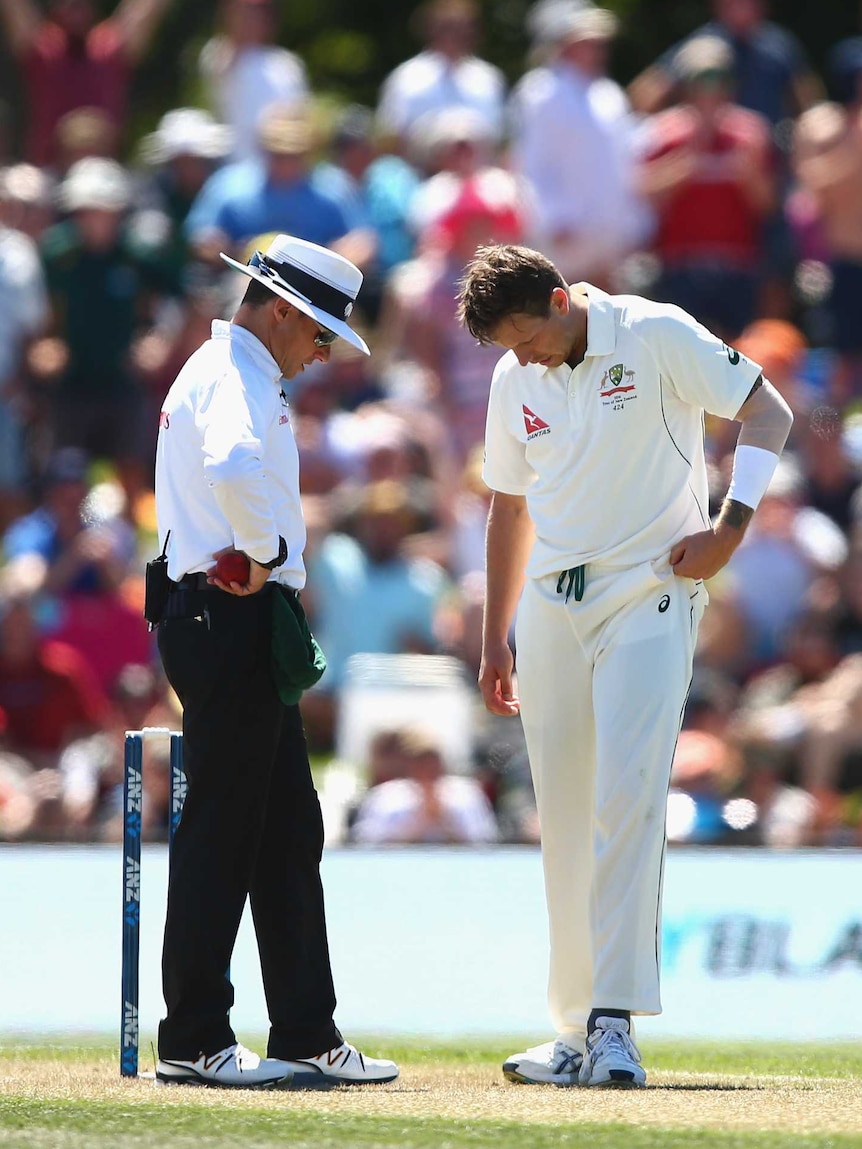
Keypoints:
(570, 1062)
(615, 1038)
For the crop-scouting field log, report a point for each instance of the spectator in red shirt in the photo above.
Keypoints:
(708, 171)
(70, 61)
(47, 690)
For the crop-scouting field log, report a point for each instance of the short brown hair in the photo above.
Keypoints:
(258, 294)
(505, 280)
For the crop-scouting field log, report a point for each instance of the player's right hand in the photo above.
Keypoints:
(495, 680)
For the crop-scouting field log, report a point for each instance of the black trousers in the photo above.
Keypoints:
(251, 828)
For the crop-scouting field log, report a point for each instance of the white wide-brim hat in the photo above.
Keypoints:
(187, 132)
(317, 281)
(94, 182)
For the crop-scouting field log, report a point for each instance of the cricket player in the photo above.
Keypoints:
(599, 535)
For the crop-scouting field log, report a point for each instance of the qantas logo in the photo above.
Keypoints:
(535, 426)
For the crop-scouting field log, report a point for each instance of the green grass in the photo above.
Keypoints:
(67, 1094)
(41, 1126)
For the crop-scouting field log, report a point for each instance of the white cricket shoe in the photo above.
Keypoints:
(553, 1063)
(612, 1059)
(232, 1068)
(344, 1065)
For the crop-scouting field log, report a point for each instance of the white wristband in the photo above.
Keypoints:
(753, 468)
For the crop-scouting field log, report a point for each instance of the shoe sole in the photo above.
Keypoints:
(314, 1079)
(617, 1085)
(512, 1073)
(617, 1079)
(202, 1082)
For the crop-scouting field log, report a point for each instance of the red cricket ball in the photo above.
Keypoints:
(233, 566)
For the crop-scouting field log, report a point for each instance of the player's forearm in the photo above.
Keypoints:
(766, 421)
(507, 547)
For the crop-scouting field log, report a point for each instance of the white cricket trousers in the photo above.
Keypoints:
(603, 684)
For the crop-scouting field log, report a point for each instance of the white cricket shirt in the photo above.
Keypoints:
(610, 454)
(227, 465)
(430, 82)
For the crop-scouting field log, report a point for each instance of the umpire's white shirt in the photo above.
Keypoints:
(227, 466)
(610, 454)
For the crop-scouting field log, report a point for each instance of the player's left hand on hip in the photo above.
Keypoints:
(701, 555)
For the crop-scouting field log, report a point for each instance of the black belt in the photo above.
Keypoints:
(195, 581)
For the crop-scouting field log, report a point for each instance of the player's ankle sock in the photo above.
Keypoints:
(624, 1014)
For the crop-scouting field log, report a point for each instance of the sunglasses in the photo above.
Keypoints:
(325, 337)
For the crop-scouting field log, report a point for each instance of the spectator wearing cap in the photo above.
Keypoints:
(446, 74)
(277, 193)
(23, 316)
(185, 148)
(182, 153)
(71, 61)
(245, 71)
(771, 75)
(486, 207)
(709, 173)
(81, 133)
(99, 274)
(573, 141)
(375, 191)
(827, 154)
(449, 148)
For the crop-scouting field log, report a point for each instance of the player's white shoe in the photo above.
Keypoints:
(234, 1067)
(553, 1063)
(344, 1065)
(612, 1059)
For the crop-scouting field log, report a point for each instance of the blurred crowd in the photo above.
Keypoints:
(727, 178)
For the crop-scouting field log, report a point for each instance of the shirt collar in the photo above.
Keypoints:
(252, 346)
(601, 323)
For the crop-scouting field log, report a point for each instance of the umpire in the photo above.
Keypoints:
(227, 479)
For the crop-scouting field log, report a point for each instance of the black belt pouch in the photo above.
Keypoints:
(156, 587)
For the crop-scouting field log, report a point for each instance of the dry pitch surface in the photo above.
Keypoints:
(447, 1097)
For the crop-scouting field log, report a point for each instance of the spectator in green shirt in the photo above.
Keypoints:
(101, 277)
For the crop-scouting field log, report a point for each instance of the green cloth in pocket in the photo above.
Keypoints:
(297, 660)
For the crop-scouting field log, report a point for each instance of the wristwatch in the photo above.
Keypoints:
(280, 559)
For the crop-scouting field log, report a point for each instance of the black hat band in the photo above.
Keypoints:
(318, 294)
